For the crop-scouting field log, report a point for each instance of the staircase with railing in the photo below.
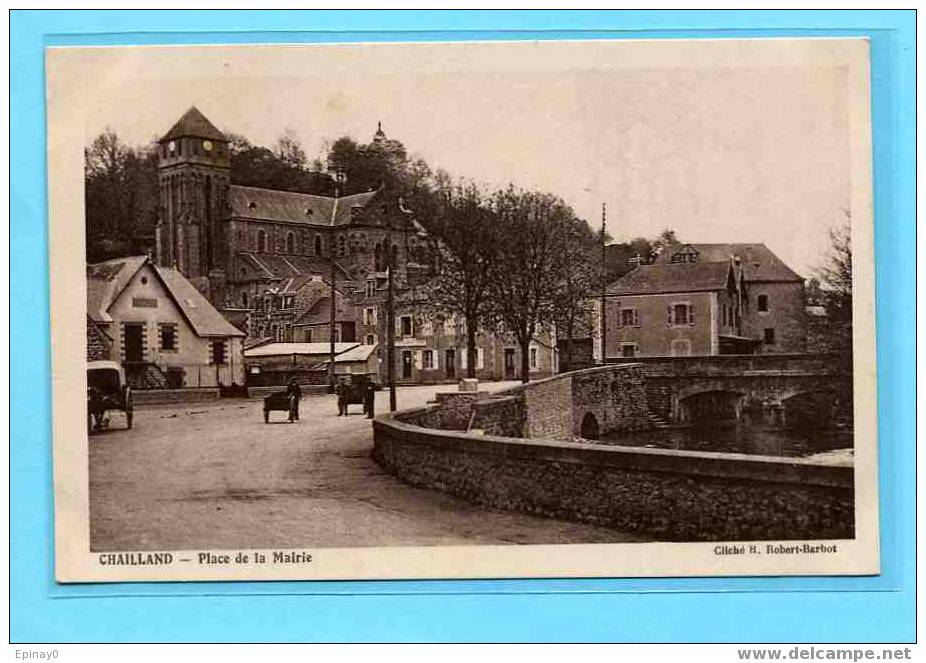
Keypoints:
(145, 375)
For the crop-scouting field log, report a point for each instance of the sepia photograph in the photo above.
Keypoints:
(474, 309)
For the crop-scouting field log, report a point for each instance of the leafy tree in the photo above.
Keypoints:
(581, 281)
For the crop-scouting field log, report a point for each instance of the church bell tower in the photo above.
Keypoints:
(193, 183)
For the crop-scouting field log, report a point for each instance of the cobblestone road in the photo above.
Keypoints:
(214, 475)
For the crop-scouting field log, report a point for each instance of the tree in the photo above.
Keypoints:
(835, 277)
(531, 266)
(120, 197)
(466, 239)
(581, 279)
(290, 151)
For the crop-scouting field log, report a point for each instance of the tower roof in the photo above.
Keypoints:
(194, 123)
(380, 135)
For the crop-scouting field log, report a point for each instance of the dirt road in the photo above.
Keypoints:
(214, 475)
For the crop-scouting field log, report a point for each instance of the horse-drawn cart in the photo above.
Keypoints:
(107, 390)
(280, 401)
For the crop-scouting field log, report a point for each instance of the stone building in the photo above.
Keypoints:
(268, 258)
(707, 299)
(161, 328)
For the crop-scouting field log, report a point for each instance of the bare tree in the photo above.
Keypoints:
(467, 246)
(581, 276)
(531, 264)
(835, 277)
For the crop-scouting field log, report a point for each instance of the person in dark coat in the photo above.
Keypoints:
(295, 395)
(369, 399)
(341, 391)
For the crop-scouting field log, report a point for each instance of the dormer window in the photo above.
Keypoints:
(309, 212)
(252, 205)
(687, 254)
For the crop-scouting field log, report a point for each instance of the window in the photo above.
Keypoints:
(533, 358)
(680, 314)
(290, 242)
(371, 288)
(681, 347)
(218, 352)
(628, 349)
(167, 334)
(769, 336)
(370, 339)
(629, 317)
(308, 335)
(369, 316)
(405, 325)
(427, 359)
(244, 300)
(261, 240)
(318, 245)
(288, 301)
(762, 303)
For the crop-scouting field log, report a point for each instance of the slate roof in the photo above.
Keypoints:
(288, 206)
(194, 123)
(758, 261)
(276, 266)
(672, 277)
(107, 280)
(320, 312)
(200, 313)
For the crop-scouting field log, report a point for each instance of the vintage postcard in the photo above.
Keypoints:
(462, 310)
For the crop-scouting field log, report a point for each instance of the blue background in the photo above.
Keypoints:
(631, 610)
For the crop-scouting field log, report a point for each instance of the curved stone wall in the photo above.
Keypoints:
(668, 495)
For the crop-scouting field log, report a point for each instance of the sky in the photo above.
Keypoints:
(735, 142)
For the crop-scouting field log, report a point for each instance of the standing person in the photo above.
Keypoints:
(369, 398)
(295, 395)
(341, 391)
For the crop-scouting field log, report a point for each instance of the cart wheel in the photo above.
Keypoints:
(128, 418)
(266, 416)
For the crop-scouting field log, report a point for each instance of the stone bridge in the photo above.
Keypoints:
(679, 389)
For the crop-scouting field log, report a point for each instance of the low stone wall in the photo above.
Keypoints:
(664, 494)
(551, 408)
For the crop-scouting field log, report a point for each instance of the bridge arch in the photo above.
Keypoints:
(590, 429)
(712, 404)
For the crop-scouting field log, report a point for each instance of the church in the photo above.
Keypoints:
(271, 259)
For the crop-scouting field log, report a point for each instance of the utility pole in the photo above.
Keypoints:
(390, 329)
(604, 288)
(333, 305)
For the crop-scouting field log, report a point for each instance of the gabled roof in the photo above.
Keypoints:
(194, 123)
(757, 260)
(320, 312)
(288, 206)
(107, 280)
(673, 277)
(200, 313)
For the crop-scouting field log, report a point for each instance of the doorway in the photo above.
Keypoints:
(450, 363)
(509, 363)
(406, 364)
(134, 342)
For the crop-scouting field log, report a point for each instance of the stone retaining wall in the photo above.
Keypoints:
(665, 494)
